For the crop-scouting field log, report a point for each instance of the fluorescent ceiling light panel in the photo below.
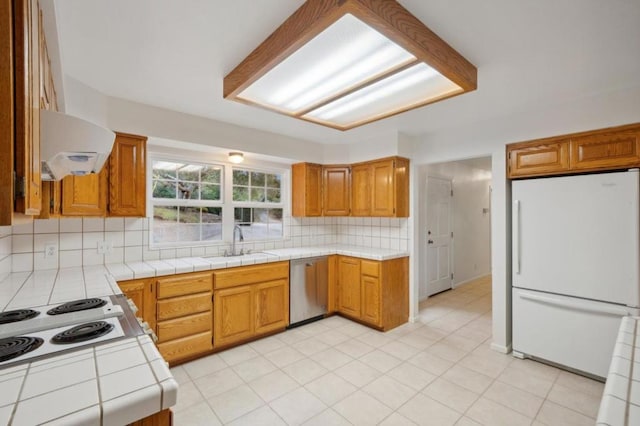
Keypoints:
(346, 54)
(344, 63)
(415, 86)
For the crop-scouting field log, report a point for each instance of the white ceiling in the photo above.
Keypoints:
(174, 54)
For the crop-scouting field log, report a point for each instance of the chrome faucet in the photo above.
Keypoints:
(236, 230)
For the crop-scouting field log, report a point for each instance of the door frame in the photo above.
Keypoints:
(422, 291)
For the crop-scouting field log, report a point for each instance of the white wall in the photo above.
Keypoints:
(490, 137)
(85, 102)
(471, 250)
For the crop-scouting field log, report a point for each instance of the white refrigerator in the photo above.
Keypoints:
(575, 271)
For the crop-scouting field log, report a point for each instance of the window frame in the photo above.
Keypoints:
(226, 199)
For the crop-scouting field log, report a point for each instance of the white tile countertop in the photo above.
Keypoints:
(115, 383)
(621, 397)
(110, 384)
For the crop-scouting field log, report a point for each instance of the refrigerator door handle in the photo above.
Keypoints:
(575, 305)
(516, 235)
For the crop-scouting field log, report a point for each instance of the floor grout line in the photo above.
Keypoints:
(467, 329)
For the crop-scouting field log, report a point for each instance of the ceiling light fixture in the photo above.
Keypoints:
(236, 157)
(345, 63)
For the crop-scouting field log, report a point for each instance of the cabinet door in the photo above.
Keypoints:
(142, 293)
(382, 188)
(127, 174)
(335, 188)
(361, 190)
(233, 315)
(544, 159)
(85, 195)
(371, 300)
(306, 190)
(349, 295)
(27, 106)
(271, 306)
(606, 150)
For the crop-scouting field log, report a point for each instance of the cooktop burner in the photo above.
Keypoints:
(13, 347)
(77, 305)
(82, 333)
(17, 315)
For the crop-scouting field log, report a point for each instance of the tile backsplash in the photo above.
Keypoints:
(69, 242)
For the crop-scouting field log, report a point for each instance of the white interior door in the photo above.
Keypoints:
(438, 238)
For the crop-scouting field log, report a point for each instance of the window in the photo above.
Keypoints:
(195, 203)
(257, 204)
(187, 202)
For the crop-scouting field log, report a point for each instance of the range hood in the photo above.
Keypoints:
(72, 146)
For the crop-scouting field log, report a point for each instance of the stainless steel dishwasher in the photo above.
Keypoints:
(308, 290)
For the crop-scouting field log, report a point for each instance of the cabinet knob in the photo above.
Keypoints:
(429, 241)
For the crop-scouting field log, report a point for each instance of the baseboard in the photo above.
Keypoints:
(501, 348)
(414, 319)
(471, 280)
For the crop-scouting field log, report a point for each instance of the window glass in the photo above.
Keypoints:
(259, 223)
(186, 202)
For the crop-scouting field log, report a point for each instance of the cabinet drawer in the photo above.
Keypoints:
(185, 326)
(244, 275)
(184, 305)
(370, 267)
(186, 347)
(180, 285)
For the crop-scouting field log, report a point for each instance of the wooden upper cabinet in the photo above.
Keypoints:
(127, 176)
(85, 195)
(27, 36)
(381, 188)
(118, 190)
(373, 188)
(597, 150)
(606, 150)
(336, 184)
(538, 159)
(390, 187)
(361, 190)
(306, 190)
(7, 123)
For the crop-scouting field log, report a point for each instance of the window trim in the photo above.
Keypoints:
(226, 199)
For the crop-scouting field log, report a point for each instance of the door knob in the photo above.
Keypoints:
(429, 241)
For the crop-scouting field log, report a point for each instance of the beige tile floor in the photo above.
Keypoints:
(438, 371)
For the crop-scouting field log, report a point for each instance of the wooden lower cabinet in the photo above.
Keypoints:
(349, 288)
(162, 418)
(233, 309)
(376, 293)
(142, 293)
(250, 301)
(184, 315)
(370, 287)
(271, 301)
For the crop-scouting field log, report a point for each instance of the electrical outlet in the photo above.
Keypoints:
(50, 250)
(105, 247)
